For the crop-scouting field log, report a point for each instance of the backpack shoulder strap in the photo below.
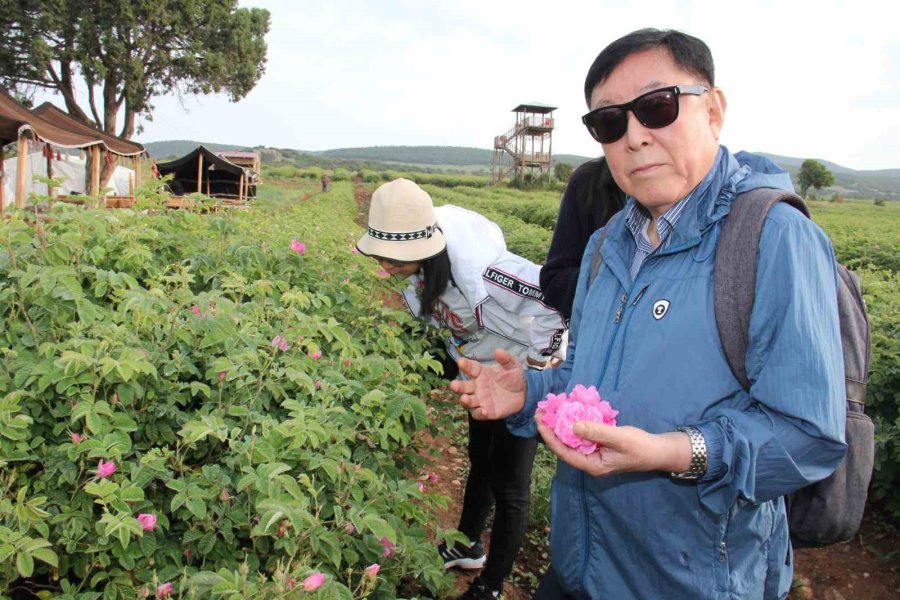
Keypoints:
(597, 260)
(734, 279)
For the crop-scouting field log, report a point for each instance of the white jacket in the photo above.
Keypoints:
(494, 299)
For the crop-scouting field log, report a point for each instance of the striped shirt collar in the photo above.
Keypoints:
(638, 218)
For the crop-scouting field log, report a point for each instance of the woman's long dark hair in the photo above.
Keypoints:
(436, 275)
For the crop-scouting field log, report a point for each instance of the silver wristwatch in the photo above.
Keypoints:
(698, 455)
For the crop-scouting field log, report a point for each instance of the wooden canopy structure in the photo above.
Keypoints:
(55, 127)
(205, 172)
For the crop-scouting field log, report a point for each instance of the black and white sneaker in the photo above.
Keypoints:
(471, 557)
(480, 591)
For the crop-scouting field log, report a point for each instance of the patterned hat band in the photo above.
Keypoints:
(403, 236)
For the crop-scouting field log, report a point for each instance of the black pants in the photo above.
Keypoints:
(500, 472)
(549, 588)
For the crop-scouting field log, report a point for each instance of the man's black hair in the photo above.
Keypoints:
(436, 275)
(690, 53)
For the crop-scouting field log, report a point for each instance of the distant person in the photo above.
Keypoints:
(326, 182)
(684, 498)
(462, 278)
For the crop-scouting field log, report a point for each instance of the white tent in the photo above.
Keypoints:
(71, 168)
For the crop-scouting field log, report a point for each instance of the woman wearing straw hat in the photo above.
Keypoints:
(461, 277)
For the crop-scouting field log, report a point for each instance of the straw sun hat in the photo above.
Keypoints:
(402, 224)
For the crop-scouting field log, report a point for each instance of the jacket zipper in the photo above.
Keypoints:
(584, 509)
(585, 553)
(634, 303)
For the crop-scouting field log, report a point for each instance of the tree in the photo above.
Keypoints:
(123, 53)
(562, 171)
(813, 174)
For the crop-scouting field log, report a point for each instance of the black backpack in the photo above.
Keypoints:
(831, 510)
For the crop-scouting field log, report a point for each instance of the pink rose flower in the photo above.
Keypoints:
(105, 469)
(433, 477)
(561, 412)
(164, 590)
(383, 274)
(388, 546)
(354, 250)
(221, 375)
(148, 521)
(315, 355)
(76, 439)
(196, 310)
(318, 384)
(349, 528)
(421, 487)
(280, 343)
(313, 582)
(298, 246)
(372, 570)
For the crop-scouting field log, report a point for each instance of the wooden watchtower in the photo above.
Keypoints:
(526, 147)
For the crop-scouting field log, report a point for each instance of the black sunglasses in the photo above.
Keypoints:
(655, 109)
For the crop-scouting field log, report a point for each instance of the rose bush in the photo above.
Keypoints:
(154, 435)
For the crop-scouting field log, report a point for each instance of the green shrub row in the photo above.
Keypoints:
(217, 402)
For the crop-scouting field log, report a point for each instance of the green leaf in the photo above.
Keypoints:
(24, 564)
(197, 507)
(132, 494)
(148, 545)
(207, 542)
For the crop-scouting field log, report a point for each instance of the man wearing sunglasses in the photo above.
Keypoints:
(684, 498)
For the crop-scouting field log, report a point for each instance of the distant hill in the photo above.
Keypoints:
(884, 183)
(416, 155)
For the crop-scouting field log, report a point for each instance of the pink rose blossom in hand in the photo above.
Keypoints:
(372, 570)
(164, 590)
(561, 412)
(105, 469)
(313, 582)
(298, 246)
(147, 521)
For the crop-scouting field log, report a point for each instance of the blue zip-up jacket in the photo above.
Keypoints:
(643, 535)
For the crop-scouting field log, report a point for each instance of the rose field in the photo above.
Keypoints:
(230, 404)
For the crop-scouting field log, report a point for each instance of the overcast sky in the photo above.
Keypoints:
(818, 79)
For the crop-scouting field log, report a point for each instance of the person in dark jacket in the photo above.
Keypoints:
(590, 200)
